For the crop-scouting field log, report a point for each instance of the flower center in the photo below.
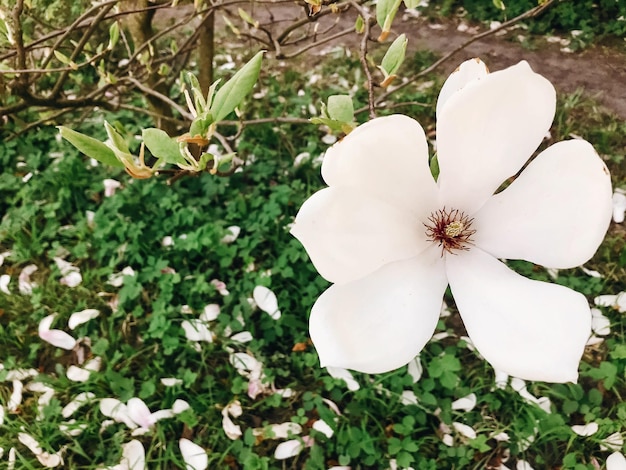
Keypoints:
(450, 229)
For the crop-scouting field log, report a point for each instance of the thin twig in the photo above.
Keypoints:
(183, 112)
(315, 44)
(528, 14)
(371, 103)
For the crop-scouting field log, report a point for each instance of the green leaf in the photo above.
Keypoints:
(116, 139)
(162, 146)
(114, 35)
(89, 146)
(359, 25)
(499, 4)
(247, 18)
(340, 108)
(385, 13)
(434, 167)
(411, 3)
(234, 90)
(394, 56)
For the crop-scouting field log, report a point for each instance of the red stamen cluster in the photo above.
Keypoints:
(451, 229)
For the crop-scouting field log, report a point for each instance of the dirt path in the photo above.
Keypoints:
(599, 71)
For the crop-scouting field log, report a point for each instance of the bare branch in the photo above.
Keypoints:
(367, 21)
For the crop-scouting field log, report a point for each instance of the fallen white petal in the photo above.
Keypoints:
(600, 324)
(139, 412)
(195, 457)
(78, 401)
(619, 207)
(448, 440)
(197, 330)
(616, 461)
(523, 465)
(591, 272)
(585, 430)
(71, 428)
(464, 429)
(93, 365)
(614, 442)
(171, 381)
(113, 408)
(179, 406)
(25, 286)
(467, 403)
(110, 185)
(242, 337)
(345, 375)
(72, 279)
(281, 430)
(230, 237)
(245, 364)
(232, 430)
(408, 397)
(77, 374)
(78, 318)
(323, 427)
(15, 399)
(5, 279)
(134, 455)
(415, 369)
(1, 415)
(57, 338)
(210, 312)
(288, 449)
(266, 300)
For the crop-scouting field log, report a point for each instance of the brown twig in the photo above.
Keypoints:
(528, 14)
(367, 24)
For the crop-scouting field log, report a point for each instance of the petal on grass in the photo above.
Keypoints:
(266, 300)
(388, 158)
(557, 222)
(57, 338)
(487, 131)
(616, 461)
(585, 430)
(468, 72)
(529, 329)
(380, 322)
(288, 449)
(349, 233)
(195, 457)
(139, 412)
(5, 279)
(134, 455)
(78, 318)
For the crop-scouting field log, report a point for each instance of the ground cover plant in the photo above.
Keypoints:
(165, 319)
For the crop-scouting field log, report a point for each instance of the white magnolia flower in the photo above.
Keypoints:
(391, 238)
(195, 457)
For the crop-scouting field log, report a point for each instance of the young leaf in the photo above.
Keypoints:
(394, 56)
(234, 90)
(340, 108)
(116, 139)
(499, 4)
(385, 13)
(410, 4)
(162, 146)
(89, 146)
(247, 18)
(114, 35)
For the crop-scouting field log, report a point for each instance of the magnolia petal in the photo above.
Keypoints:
(467, 403)
(323, 427)
(381, 322)
(113, 408)
(195, 457)
(345, 375)
(488, 130)
(555, 222)
(528, 329)
(232, 430)
(196, 330)
(78, 401)
(232, 233)
(15, 400)
(464, 430)
(71, 279)
(171, 381)
(616, 461)
(179, 406)
(408, 397)
(266, 300)
(77, 374)
(281, 430)
(5, 279)
(139, 412)
(585, 430)
(242, 337)
(210, 312)
(388, 158)
(619, 207)
(288, 449)
(468, 71)
(349, 233)
(415, 369)
(25, 286)
(523, 465)
(600, 324)
(78, 318)
(134, 455)
(58, 338)
(614, 442)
